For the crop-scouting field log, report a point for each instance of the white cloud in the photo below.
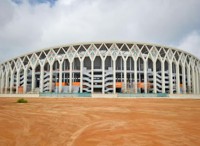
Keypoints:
(26, 27)
(191, 43)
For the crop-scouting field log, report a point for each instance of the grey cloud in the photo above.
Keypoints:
(6, 13)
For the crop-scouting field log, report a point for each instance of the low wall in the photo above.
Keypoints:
(172, 96)
(185, 96)
(104, 95)
(19, 95)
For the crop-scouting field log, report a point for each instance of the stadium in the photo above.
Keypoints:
(102, 67)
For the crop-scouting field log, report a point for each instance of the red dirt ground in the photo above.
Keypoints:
(100, 122)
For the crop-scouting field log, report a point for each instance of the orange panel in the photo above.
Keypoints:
(141, 85)
(20, 89)
(63, 83)
(76, 84)
(118, 84)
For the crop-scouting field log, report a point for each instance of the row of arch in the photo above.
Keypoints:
(185, 76)
(177, 71)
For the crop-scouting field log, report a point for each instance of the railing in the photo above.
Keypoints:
(143, 95)
(48, 94)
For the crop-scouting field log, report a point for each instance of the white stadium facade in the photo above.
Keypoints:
(102, 67)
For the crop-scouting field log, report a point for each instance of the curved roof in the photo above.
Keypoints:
(95, 43)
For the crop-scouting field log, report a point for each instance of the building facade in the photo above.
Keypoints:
(103, 67)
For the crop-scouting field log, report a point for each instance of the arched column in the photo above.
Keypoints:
(92, 76)
(154, 77)
(114, 76)
(183, 79)
(50, 77)
(17, 81)
(103, 76)
(177, 78)
(70, 77)
(125, 74)
(25, 80)
(55, 76)
(2, 82)
(193, 81)
(189, 79)
(81, 75)
(170, 78)
(7, 82)
(197, 81)
(163, 76)
(135, 74)
(151, 76)
(41, 77)
(145, 76)
(33, 79)
(11, 81)
(196, 76)
(60, 76)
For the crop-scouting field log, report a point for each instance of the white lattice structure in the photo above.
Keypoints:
(108, 67)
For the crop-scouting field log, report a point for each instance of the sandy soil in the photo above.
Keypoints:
(100, 122)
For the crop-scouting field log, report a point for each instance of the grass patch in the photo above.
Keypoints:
(22, 100)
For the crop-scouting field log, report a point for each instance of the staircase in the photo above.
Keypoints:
(86, 80)
(159, 81)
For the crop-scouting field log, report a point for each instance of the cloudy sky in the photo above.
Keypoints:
(30, 25)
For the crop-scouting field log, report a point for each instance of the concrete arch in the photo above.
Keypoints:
(175, 67)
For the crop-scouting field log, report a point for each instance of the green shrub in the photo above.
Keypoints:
(22, 100)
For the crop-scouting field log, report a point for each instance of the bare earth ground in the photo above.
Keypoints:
(100, 122)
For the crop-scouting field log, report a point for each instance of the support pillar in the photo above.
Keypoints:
(92, 76)
(189, 79)
(60, 76)
(135, 74)
(197, 86)
(41, 78)
(33, 80)
(183, 79)
(145, 76)
(163, 76)
(154, 77)
(125, 75)
(193, 81)
(114, 76)
(170, 78)
(2, 82)
(81, 76)
(199, 80)
(103, 76)
(7, 82)
(50, 78)
(11, 81)
(17, 81)
(70, 77)
(196, 79)
(177, 79)
(25, 80)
